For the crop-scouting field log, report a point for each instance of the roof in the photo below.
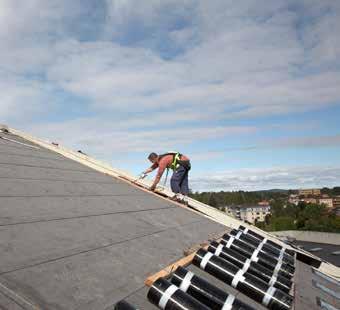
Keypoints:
(327, 252)
(244, 207)
(74, 237)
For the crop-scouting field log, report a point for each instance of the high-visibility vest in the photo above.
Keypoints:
(175, 164)
(175, 161)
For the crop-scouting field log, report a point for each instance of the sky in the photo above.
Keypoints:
(249, 90)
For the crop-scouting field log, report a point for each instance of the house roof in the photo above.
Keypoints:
(75, 237)
(327, 252)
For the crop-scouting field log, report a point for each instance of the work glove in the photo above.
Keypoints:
(142, 175)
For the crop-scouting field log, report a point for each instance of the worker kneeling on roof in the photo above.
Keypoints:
(180, 164)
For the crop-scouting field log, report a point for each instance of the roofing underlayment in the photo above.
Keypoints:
(78, 234)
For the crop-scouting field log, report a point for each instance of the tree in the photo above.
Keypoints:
(285, 216)
(282, 223)
(212, 201)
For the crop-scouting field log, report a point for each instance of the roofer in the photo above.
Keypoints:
(180, 164)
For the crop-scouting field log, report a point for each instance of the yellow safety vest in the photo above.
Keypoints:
(174, 165)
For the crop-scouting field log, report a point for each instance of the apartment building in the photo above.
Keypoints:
(336, 205)
(251, 214)
(309, 200)
(294, 199)
(307, 192)
(327, 201)
(336, 202)
(307, 197)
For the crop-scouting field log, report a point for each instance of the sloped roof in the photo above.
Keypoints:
(74, 237)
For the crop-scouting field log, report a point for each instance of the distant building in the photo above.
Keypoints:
(264, 203)
(314, 196)
(233, 211)
(307, 192)
(327, 201)
(337, 212)
(309, 200)
(251, 214)
(336, 205)
(336, 201)
(294, 199)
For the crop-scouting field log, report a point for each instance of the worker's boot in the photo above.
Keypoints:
(180, 198)
(185, 200)
(177, 197)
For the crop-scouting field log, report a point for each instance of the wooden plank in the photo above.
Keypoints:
(185, 261)
(21, 300)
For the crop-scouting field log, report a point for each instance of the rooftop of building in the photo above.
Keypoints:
(327, 252)
(247, 206)
(73, 236)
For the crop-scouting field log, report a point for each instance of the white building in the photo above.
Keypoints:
(310, 192)
(294, 199)
(251, 214)
(327, 201)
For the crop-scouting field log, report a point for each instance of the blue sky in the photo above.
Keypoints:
(249, 90)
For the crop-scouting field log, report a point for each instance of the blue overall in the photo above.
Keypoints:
(179, 181)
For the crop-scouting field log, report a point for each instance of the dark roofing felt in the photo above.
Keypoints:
(325, 253)
(74, 238)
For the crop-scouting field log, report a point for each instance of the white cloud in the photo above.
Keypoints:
(259, 179)
(320, 36)
(158, 74)
(29, 31)
(121, 138)
(246, 58)
(293, 142)
(250, 66)
(156, 16)
(314, 141)
(21, 98)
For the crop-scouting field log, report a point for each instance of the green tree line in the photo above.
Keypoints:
(313, 217)
(284, 216)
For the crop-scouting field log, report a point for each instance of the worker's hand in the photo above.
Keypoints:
(153, 187)
(143, 175)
